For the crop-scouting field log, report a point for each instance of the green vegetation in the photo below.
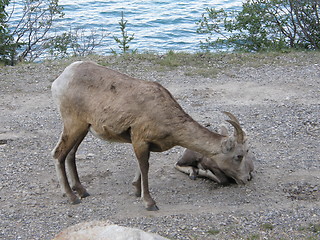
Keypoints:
(315, 228)
(263, 25)
(32, 37)
(253, 237)
(26, 39)
(275, 26)
(76, 42)
(123, 42)
(213, 231)
(5, 37)
(267, 226)
(203, 64)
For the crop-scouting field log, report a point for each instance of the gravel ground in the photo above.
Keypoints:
(277, 100)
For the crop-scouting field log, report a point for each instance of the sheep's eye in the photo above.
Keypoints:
(239, 158)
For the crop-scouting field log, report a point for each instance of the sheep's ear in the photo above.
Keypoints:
(228, 145)
(223, 130)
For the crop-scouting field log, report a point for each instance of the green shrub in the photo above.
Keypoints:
(263, 25)
(27, 38)
(124, 40)
(5, 36)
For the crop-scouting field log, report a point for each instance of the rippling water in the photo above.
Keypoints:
(158, 26)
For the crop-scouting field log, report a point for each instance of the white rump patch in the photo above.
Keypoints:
(61, 83)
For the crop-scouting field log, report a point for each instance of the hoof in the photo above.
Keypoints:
(137, 194)
(84, 195)
(152, 208)
(192, 177)
(75, 201)
(137, 187)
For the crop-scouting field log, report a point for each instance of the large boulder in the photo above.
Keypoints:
(104, 230)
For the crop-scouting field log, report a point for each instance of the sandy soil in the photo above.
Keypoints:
(276, 100)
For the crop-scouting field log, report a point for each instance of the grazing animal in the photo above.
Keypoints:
(116, 107)
(238, 169)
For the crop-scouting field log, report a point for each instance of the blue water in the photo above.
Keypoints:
(158, 26)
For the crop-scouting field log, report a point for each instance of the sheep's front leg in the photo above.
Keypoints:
(208, 174)
(196, 172)
(191, 171)
(142, 152)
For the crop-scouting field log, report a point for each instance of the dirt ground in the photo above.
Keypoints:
(277, 100)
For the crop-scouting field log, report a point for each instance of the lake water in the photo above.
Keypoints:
(158, 26)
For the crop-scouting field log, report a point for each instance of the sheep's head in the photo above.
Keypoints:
(236, 159)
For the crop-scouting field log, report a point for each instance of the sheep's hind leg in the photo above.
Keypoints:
(72, 168)
(137, 183)
(67, 141)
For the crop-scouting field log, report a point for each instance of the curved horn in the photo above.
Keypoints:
(232, 117)
(238, 130)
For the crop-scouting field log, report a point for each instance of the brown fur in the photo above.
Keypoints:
(116, 107)
(197, 165)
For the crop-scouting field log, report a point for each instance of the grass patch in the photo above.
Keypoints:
(254, 237)
(203, 64)
(267, 226)
(170, 60)
(312, 238)
(213, 231)
(315, 228)
(204, 72)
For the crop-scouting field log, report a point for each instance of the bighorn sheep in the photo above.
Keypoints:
(116, 107)
(239, 169)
